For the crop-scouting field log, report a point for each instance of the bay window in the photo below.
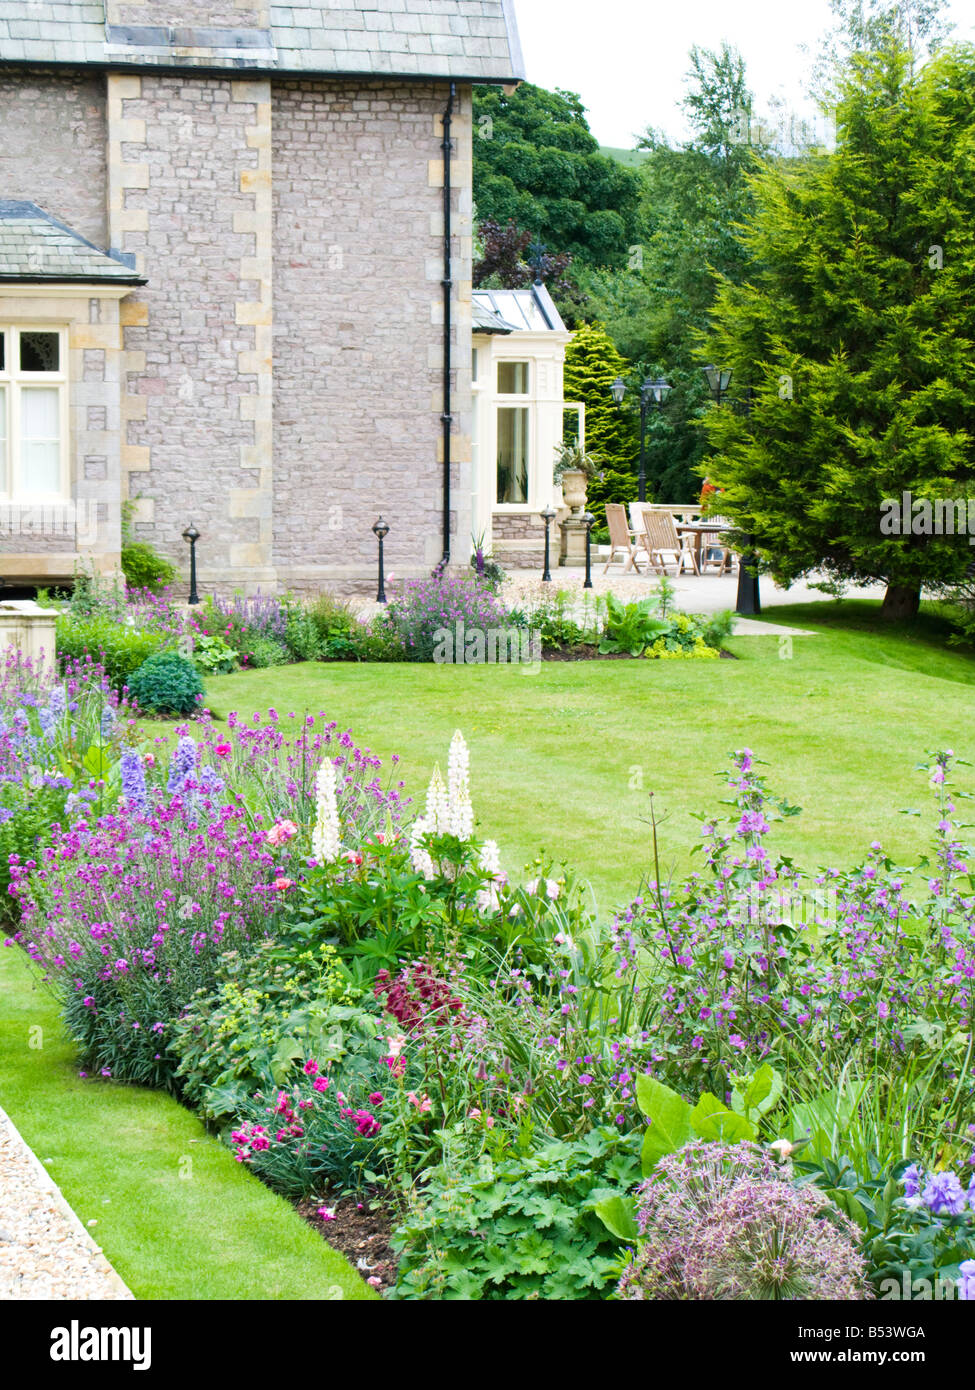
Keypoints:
(33, 413)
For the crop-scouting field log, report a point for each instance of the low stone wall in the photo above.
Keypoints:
(30, 629)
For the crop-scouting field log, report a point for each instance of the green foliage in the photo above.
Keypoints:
(268, 1011)
(855, 334)
(537, 163)
(592, 364)
(167, 683)
(523, 1227)
(213, 656)
(900, 1242)
(301, 632)
(675, 1123)
(629, 627)
(119, 649)
(144, 568)
(265, 651)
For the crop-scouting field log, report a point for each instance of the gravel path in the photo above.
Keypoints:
(45, 1252)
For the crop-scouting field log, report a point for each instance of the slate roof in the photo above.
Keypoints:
(36, 247)
(475, 40)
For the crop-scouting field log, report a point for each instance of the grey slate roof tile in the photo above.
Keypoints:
(304, 37)
(34, 246)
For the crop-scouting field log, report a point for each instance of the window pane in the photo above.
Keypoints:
(40, 440)
(40, 352)
(512, 378)
(3, 352)
(473, 364)
(513, 454)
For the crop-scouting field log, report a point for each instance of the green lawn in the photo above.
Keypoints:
(842, 718)
(176, 1215)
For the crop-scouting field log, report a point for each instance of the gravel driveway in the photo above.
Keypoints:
(45, 1251)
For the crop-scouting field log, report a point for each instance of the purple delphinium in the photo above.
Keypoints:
(182, 766)
(134, 781)
(966, 1284)
(944, 1195)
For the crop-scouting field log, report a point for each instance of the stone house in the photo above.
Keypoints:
(235, 282)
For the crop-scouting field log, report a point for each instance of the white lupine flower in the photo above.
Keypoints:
(325, 839)
(488, 897)
(460, 809)
(438, 808)
(419, 858)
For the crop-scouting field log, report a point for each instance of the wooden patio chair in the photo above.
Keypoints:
(622, 541)
(715, 553)
(664, 546)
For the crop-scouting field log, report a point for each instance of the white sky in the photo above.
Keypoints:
(627, 58)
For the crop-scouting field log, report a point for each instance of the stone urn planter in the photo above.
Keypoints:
(573, 482)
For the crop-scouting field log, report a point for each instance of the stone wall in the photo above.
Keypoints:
(358, 246)
(190, 184)
(279, 381)
(52, 146)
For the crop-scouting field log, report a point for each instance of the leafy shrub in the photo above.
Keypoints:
(145, 569)
(523, 1227)
(629, 627)
(719, 1221)
(213, 656)
(120, 650)
(262, 652)
(378, 641)
(335, 626)
(167, 683)
(300, 634)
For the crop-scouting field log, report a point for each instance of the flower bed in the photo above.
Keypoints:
(359, 998)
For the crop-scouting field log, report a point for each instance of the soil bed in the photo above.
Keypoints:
(360, 1230)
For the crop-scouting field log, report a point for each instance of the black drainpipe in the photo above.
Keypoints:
(447, 418)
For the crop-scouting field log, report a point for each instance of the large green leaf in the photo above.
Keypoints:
(711, 1119)
(760, 1093)
(670, 1120)
(618, 1215)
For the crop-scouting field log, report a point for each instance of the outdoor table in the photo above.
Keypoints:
(700, 529)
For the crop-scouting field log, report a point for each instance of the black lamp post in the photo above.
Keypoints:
(652, 393)
(191, 535)
(749, 601)
(588, 520)
(381, 531)
(548, 516)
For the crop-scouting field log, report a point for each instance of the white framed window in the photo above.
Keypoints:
(514, 463)
(33, 412)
